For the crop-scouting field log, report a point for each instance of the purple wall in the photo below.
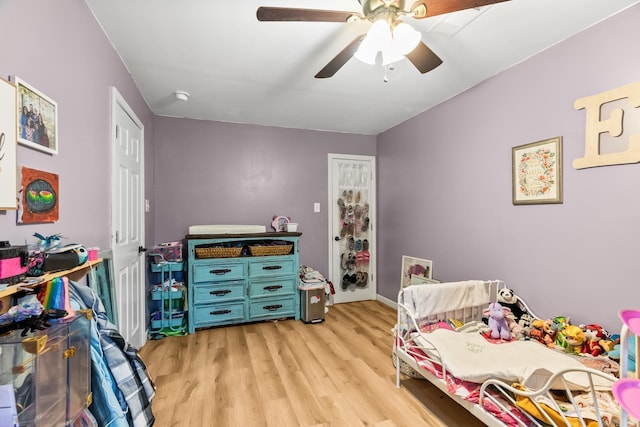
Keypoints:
(58, 48)
(224, 173)
(444, 177)
(445, 190)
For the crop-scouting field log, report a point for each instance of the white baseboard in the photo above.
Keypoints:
(387, 301)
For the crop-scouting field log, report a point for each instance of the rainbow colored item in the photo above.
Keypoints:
(56, 296)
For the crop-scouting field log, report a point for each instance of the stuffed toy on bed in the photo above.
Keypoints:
(631, 357)
(507, 298)
(542, 331)
(498, 322)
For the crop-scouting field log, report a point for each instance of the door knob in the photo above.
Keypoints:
(337, 238)
(141, 249)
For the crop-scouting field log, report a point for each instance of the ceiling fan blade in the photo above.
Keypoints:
(423, 58)
(440, 7)
(340, 59)
(306, 15)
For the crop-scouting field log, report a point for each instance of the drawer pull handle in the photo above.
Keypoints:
(220, 293)
(213, 313)
(272, 288)
(272, 267)
(223, 271)
(272, 307)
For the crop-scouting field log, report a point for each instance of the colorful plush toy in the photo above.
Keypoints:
(594, 337)
(508, 299)
(542, 331)
(525, 320)
(574, 338)
(558, 324)
(498, 322)
(518, 332)
(631, 357)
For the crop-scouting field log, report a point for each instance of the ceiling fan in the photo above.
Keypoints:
(389, 34)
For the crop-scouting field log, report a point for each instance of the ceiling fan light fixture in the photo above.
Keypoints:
(405, 38)
(378, 39)
(367, 52)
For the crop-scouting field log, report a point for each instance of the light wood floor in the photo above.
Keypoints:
(288, 373)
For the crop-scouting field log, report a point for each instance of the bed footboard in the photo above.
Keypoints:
(549, 405)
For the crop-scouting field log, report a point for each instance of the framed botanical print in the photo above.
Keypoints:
(537, 172)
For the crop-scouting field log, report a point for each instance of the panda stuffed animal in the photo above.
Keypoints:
(507, 298)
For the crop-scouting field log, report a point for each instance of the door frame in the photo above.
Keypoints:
(332, 244)
(118, 101)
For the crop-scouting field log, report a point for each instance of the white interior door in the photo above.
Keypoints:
(128, 221)
(352, 246)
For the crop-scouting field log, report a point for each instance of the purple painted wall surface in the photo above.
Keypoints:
(225, 173)
(58, 48)
(444, 177)
(445, 185)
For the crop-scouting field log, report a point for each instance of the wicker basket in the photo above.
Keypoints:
(216, 252)
(405, 368)
(270, 250)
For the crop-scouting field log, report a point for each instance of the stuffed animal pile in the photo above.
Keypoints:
(509, 318)
(557, 333)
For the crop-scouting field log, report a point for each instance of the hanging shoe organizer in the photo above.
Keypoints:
(353, 203)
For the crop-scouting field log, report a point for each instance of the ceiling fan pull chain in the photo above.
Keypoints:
(386, 77)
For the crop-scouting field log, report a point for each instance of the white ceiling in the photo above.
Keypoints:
(240, 70)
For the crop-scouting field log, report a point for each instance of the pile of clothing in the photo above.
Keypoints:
(122, 389)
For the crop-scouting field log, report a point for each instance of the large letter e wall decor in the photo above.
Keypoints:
(596, 127)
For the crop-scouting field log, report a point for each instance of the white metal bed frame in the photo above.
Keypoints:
(407, 324)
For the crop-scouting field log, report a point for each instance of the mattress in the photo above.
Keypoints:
(226, 229)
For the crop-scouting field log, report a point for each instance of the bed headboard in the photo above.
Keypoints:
(463, 300)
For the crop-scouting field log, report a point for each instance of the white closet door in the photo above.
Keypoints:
(352, 233)
(128, 222)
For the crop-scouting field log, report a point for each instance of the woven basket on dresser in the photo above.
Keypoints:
(270, 250)
(216, 252)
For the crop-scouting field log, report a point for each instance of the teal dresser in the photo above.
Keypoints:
(237, 278)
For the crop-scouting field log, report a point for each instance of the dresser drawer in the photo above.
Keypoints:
(210, 314)
(272, 266)
(272, 308)
(274, 287)
(228, 270)
(225, 291)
